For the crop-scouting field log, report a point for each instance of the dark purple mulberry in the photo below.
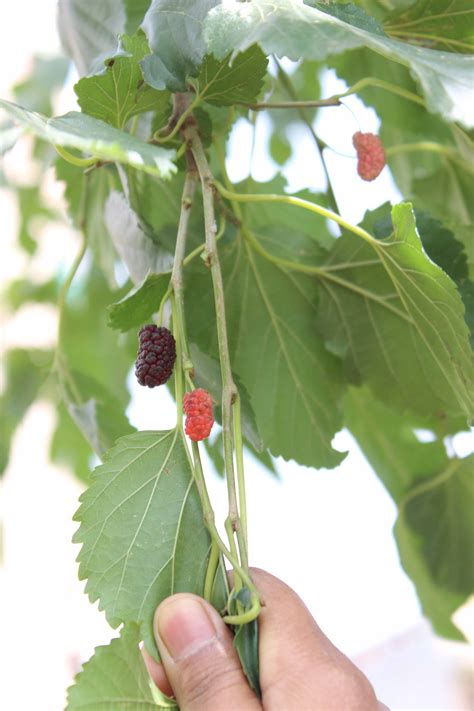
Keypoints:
(156, 355)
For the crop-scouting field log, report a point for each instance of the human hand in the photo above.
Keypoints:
(300, 670)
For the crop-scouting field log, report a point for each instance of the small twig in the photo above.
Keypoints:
(262, 105)
(320, 145)
(229, 389)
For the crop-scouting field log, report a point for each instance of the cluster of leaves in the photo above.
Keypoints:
(369, 332)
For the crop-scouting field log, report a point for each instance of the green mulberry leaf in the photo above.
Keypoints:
(295, 385)
(116, 678)
(398, 320)
(140, 303)
(85, 133)
(174, 31)
(312, 34)
(142, 530)
(226, 82)
(120, 92)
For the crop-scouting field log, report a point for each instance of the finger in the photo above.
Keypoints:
(200, 662)
(157, 673)
(298, 664)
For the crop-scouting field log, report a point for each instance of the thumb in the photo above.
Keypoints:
(197, 653)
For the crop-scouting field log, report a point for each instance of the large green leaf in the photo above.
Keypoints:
(441, 246)
(397, 319)
(69, 448)
(88, 214)
(207, 374)
(142, 530)
(135, 11)
(448, 499)
(89, 30)
(313, 34)
(295, 385)
(76, 130)
(240, 81)
(139, 253)
(47, 75)
(437, 604)
(174, 31)
(24, 373)
(119, 92)
(388, 440)
(440, 24)
(32, 210)
(96, 411)
(426, 538)
(140, 303)
(116, 678)
(87, 345)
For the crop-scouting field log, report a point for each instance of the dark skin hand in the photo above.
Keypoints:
(300, 669)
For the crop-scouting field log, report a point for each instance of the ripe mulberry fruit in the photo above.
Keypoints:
(197, 406)
(156, 355)
(370, 154)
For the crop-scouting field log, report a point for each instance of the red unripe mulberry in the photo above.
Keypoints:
(197, 406)
(156, 355)
(370, 154)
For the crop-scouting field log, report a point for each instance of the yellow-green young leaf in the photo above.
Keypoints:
(116, 679)
(142, 530)
(95, 137)
(231, 81)
(120, 92)
(398, 320)
(310, 33)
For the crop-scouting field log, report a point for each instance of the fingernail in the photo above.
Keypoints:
(184, 626)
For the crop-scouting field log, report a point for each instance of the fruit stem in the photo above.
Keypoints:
(209, 521)
(261, 106)
(320, 145)
(297, 202)
(75, 160)
(211, 571)
(229, 389)
(381, 84)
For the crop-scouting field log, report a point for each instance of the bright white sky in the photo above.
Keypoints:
(326, 533)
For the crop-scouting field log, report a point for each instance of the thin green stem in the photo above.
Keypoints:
(431, 147)
(263, 105)
(163, 301)
(221, 159)
(199, 250)
(229, 389)
(320, 145)
(239, 463)
(381, 84)
(134, 124)
(75, 160)
(178, 371)
(179, 123)
(212, 567)
(213, 532)
(433, 38)
(297, 202)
